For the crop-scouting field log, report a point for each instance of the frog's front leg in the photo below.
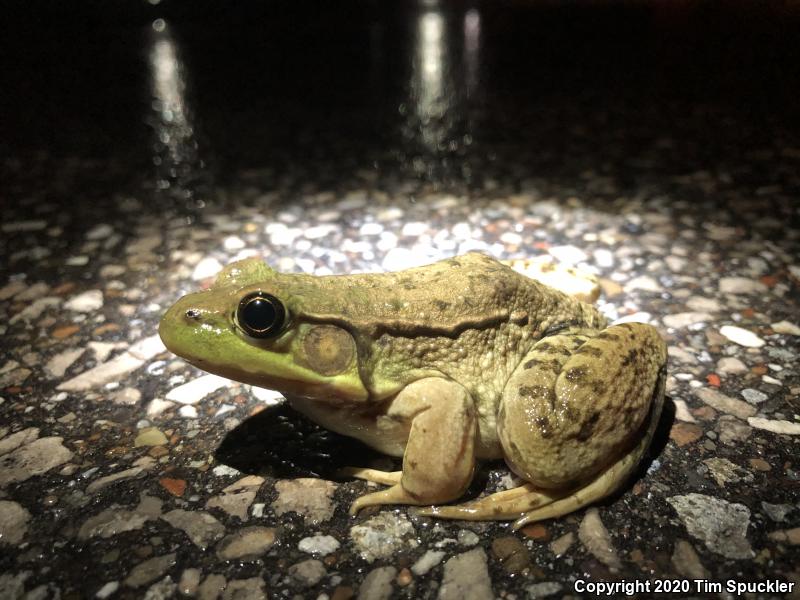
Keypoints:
(439, 458)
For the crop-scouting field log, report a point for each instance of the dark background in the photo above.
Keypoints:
(270, 83)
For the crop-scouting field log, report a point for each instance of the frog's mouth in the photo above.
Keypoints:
(303, 383)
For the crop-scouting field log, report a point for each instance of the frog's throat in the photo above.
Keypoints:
(294, 380)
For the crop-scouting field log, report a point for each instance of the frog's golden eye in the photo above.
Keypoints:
(261, 315)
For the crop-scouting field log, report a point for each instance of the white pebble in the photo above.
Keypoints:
(461, 231)
(390, 214)
(604, 258)
(675, 263)
(197, 389)
(188, 412)
(731, 364)
(99, 232)
(568, 254)
(233, 242)
(387, 241)
(319, 544)
(269, 397)
(427, 561)
(281, 235)
(467, 537)
(224, 470)
(741, 285)
(753, 396)
(320, 231)
(62, 361)
(786, 328)
(107, 590)
(85, 302)
(511, 238)
(702, 304)
(303, 245)
(208, 267)
(685, 319)
(644, 283)
(158, 406)
(370, 229)
(786, 427)
(682, 411)
(225, 408)
(77, 261)
(743, 337)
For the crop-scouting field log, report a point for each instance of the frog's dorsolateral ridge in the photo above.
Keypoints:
(442, 365)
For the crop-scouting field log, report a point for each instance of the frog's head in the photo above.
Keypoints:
(247, 327)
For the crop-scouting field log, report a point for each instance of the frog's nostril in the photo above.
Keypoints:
(193, 313)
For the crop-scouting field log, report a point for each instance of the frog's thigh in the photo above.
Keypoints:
(606, 483)
(439, 457)
(577, 405)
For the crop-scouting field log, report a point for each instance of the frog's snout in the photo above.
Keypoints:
(179, 324)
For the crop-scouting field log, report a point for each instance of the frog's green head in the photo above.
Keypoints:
(248, 327)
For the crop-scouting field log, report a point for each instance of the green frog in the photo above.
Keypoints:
(442, 365)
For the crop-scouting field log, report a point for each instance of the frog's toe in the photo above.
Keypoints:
(374, 475)
(500, 506)
(393, 495)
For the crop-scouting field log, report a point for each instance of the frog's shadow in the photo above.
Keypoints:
(657, 445)
(661, 435)
(280, 442)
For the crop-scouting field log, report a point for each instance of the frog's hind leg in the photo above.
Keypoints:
(504, 505)
(579, 412)
(532, 504)
(605, 485)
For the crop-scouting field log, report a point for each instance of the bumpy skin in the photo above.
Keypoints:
(443, 364)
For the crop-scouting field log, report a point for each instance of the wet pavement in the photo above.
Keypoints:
(655, 146)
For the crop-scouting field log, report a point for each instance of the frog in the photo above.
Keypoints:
(443, 365)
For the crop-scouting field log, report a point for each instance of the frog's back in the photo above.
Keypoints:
(469, 318)
(446, 297)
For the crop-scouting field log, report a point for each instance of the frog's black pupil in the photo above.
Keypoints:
(259, 314)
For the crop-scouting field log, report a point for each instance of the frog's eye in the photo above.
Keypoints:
(261, 315)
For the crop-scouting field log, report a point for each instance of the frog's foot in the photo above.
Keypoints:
(374, 475)
(396, 494)
(500, 506)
